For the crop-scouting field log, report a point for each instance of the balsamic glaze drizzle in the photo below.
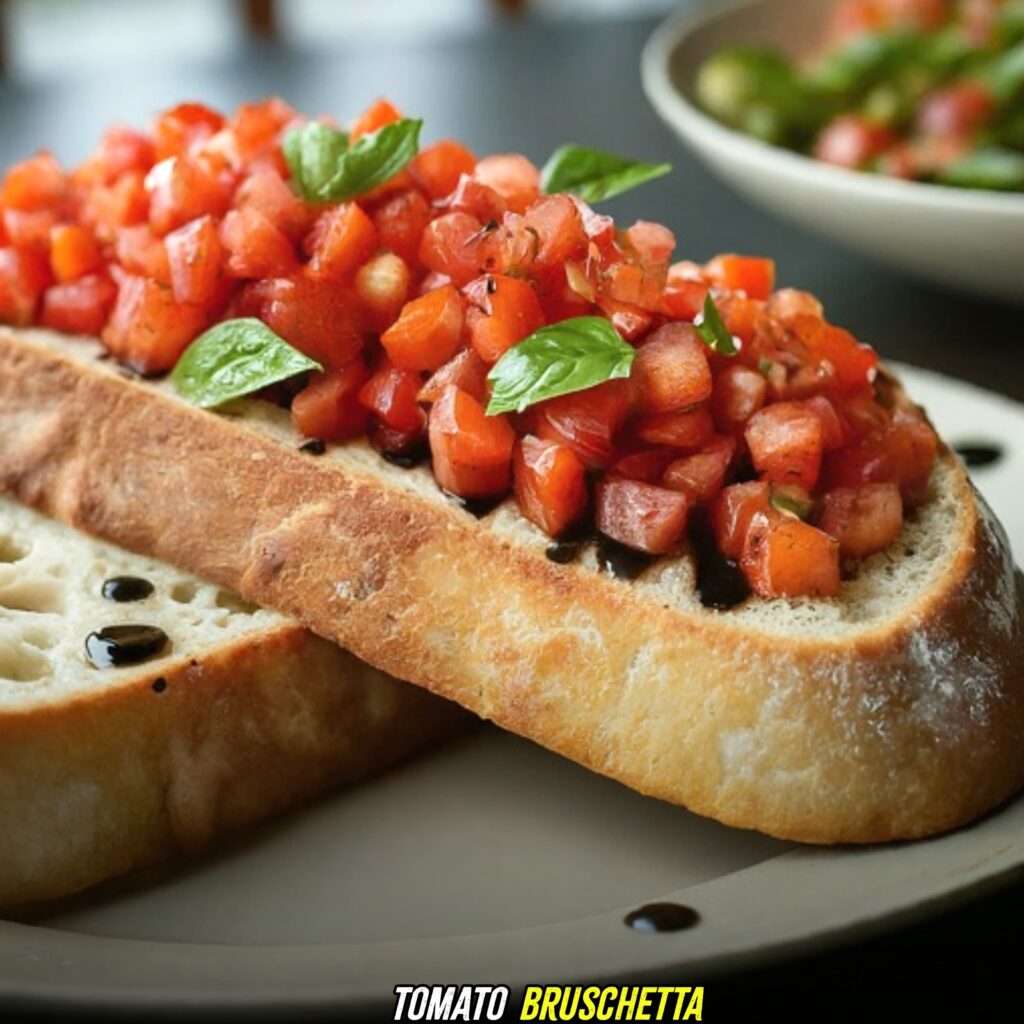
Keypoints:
(662, 917)
(721, 584)
(115, 646)
(314, 446)
(126, 588)
(621, 562)
(979, 454)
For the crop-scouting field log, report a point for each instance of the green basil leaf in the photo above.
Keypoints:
(556, 360)
(594, 175)
(328, 169)
(235, 358)
(994, 169)
(791, 502)
(713, 331)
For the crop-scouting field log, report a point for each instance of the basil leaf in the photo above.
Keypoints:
(556, 360)
(313, 152)
(235, 358)
(594, 175)
(713, 331)
(328, 169)
(994, 169)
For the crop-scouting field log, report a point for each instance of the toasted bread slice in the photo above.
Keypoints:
(895, 711)
(243, 715)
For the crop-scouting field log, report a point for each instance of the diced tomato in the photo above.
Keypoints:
(855, 364)
(833, 435)
(400, 223)
(786, 442)
(428, 331)
(651, 243)
(437, 168)
(512, 176)
(80, 306)
(382, 285)
(852, 141)
(254, 247)
(790, 302)
(140, 252)
(466, 371)
(784, 557)
(477, 199)
(24, 274)
(256, 126)
(123, 203)
(148, 330)
(472, 452)
(266, 191)
(702, 475)
(733, 512)
(507, 312)
(329, 408)
(319, 318)
(37, 183)
(376, 116)
(647, 464)
(550, 484)
(641, 516)
(73, 252)
(958, 109)
(687, 428)
(683, 298)
(559, 230)
(741, 314)
(453, 245)
(195, 257)
(634, 285)
(177, 130)
(600, 228)
(29, 229)
(181, 189)
(671, 370)
(392, 396)
(341, 239)
(739, 392)
(864, 520)
(121, 149)
(586, 421)
(749, 274)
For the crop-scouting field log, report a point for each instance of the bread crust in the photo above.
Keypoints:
(902, 729)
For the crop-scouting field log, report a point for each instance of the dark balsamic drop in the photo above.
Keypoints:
(314, 446)
(564, 551)
(721, 584)
(407, 458)
(979, 455)
(623, 563)
(116, 646)
(478, 507)
(126, 588)
(662, 917)
(159, 684)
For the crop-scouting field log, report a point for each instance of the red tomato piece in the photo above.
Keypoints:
(37, 183)
(558, 228)
(739, 392)
(702, 475)
(400, 223)
(466, 371)
(550, 484)
(453, 245)
(29, 229)
(958, 109)
(121, 149)
(749, 274)
(510, 312)
(852, 141)
(734, 510)
(177, 130)
(648, 464)
(864, 520)
(24, 274)
(790, 302)
(855, 364)
(392, 396)
(73, 252)
(786, 444)
(599, 227)
(634, 285)
(438, 168)
(784, 557)
(266, 191)
(683, 299)
(641, 516)
(428, 331)
(833, 434)
(688, 428)
(148, 330)
(254, 247)
(182, 189)
(378, 114)
(256, 126)
(80, 306)
(671, 370)
(512, 176)
(652, 244)
(121, 204)
(140, 252)
(472, 452)
(586, 421)
(741, 314)
(195, 258)
(328, 407)
(341, 239)
(477, 199)
(382, 285)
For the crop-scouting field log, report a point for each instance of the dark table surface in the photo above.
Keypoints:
(529, 86)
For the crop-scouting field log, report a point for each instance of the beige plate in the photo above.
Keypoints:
(961, 237)
(496, 861)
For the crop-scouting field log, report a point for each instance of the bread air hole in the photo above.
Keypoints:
(184, 592)
(234, 604)
(20, 664)
(32, 595)
(11, 550)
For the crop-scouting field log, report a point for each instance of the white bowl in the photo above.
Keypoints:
(963, 238)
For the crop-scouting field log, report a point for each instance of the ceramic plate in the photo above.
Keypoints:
(964, 238)
(495, 861)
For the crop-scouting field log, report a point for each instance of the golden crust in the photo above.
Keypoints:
(906, 729)
(132, 775)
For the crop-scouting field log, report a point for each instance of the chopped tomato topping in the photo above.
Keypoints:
(400, 223)
(702, 475)
(438, 168)
(427, 332)
(329, 407)
(23, 276)
(35, 184)
(734, 510)
(865, 520)
(641, 516)
(784, 557)
(550, 484)
(177, 130)
(466, 371)
(182, 189)
(852, 141)
(690, 428)
(140, 252)
(254, 247)
(391, 395)
(453, 245)
(376, 116)
(512, 176)
(586, 421)
(749, 274)
(648, 464)
(786, 443)
(266, 191)
(739, 392)
(194, 256)
(382, 285)
(73, 252)
(671, 370)
(80, 306)
(505, 310)
(558, 228)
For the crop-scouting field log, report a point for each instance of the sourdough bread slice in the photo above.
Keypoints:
(894, 711)
(243, 715)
